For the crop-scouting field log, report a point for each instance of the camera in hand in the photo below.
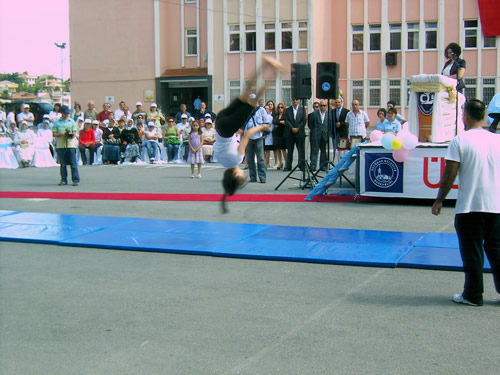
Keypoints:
(68, 134)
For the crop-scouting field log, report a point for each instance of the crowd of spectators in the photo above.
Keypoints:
(149, 136)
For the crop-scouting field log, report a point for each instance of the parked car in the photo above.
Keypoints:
(37, 108)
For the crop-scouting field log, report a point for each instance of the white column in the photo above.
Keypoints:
(157, 36)
(198, 33)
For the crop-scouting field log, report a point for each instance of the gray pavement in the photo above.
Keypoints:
(66, 310)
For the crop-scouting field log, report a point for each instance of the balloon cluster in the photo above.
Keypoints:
(399, 144)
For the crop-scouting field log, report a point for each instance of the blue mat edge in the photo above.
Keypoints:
(67, 242)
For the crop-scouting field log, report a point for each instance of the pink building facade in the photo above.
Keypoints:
(172, 52)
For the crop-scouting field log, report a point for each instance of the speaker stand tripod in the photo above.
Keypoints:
(308, 178)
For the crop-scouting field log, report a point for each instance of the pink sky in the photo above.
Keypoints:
(28, 30)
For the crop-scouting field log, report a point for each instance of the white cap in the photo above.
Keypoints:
(151, 123)
(191, 118)
(208, 121)
(95, 122)
(184, 115)
(88, 121)
(26, 106)
(46, 116)
(208, 115)
(138, 103)
(153, 105)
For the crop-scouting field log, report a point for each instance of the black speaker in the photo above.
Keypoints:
(327, 80)
(301, 81)
(391, 58)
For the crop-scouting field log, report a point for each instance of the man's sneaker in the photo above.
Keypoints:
(75, 183)
(62, 183)
(459, 298)
(151, 160)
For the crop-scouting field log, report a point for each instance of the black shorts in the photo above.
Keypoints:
(232, 118)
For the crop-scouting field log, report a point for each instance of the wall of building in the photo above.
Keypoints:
(112, 50)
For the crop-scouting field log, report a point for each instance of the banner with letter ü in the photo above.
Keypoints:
(418, 177)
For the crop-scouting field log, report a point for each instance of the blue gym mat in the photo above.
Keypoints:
(252, 241)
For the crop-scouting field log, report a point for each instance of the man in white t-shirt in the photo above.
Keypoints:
(475, 157)
(26, 115)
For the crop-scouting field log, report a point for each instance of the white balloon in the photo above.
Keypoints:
(376, 135)
(410, 142)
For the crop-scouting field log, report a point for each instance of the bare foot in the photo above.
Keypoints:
(275, 63)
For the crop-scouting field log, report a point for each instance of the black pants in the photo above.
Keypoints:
(232, 118)
(319, 144)
(478, 230)
(293, 140)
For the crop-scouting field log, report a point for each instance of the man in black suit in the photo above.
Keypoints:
(318, 124)
(341, 129)
(295, 135)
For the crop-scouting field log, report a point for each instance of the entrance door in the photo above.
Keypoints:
(177, 96)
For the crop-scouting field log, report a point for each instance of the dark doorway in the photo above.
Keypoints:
(171, 93)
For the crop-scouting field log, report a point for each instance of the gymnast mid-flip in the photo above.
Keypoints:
(232, 118)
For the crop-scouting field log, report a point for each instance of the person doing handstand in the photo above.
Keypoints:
(232, 118)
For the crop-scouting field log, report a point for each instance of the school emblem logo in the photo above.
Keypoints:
(383, 174)
(425, 103)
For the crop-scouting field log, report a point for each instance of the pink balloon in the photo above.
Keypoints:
(400, 155)
(376, 135)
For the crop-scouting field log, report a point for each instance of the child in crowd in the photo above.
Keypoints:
(195, 141)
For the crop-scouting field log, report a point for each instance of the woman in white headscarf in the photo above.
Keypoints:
(24, 141)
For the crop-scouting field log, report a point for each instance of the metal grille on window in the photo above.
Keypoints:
(357, 92)
(270, 91)
(470, 88)
(395, 91)
(286, 91)
(374, 93)
(234, 90)
(488, 89)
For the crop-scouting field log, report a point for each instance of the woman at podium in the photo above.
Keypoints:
(454, 66)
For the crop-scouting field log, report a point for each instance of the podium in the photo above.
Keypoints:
(432, 110)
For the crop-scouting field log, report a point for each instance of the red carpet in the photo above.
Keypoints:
(174, 197)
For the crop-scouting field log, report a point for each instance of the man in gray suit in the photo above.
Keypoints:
(319, 136)
(295, 135)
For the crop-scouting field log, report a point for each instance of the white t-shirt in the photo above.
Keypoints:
(478, 152)
(151, 133)
(226, 151)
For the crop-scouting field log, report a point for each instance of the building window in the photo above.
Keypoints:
(357, 37)
(470, 28)
(395, 37)
(192, 42)
(302, 35)
(270, 91)
(270, 37)
(250, 38)
(395, 91)
(470, 88)
(286, 35)
(431, 35)
(374, 93)
(490, 42)
(413, 35)
(234, 90)
(488, 90)
(375, 37)
(286, 91)
(234, 38)
(357, 92)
